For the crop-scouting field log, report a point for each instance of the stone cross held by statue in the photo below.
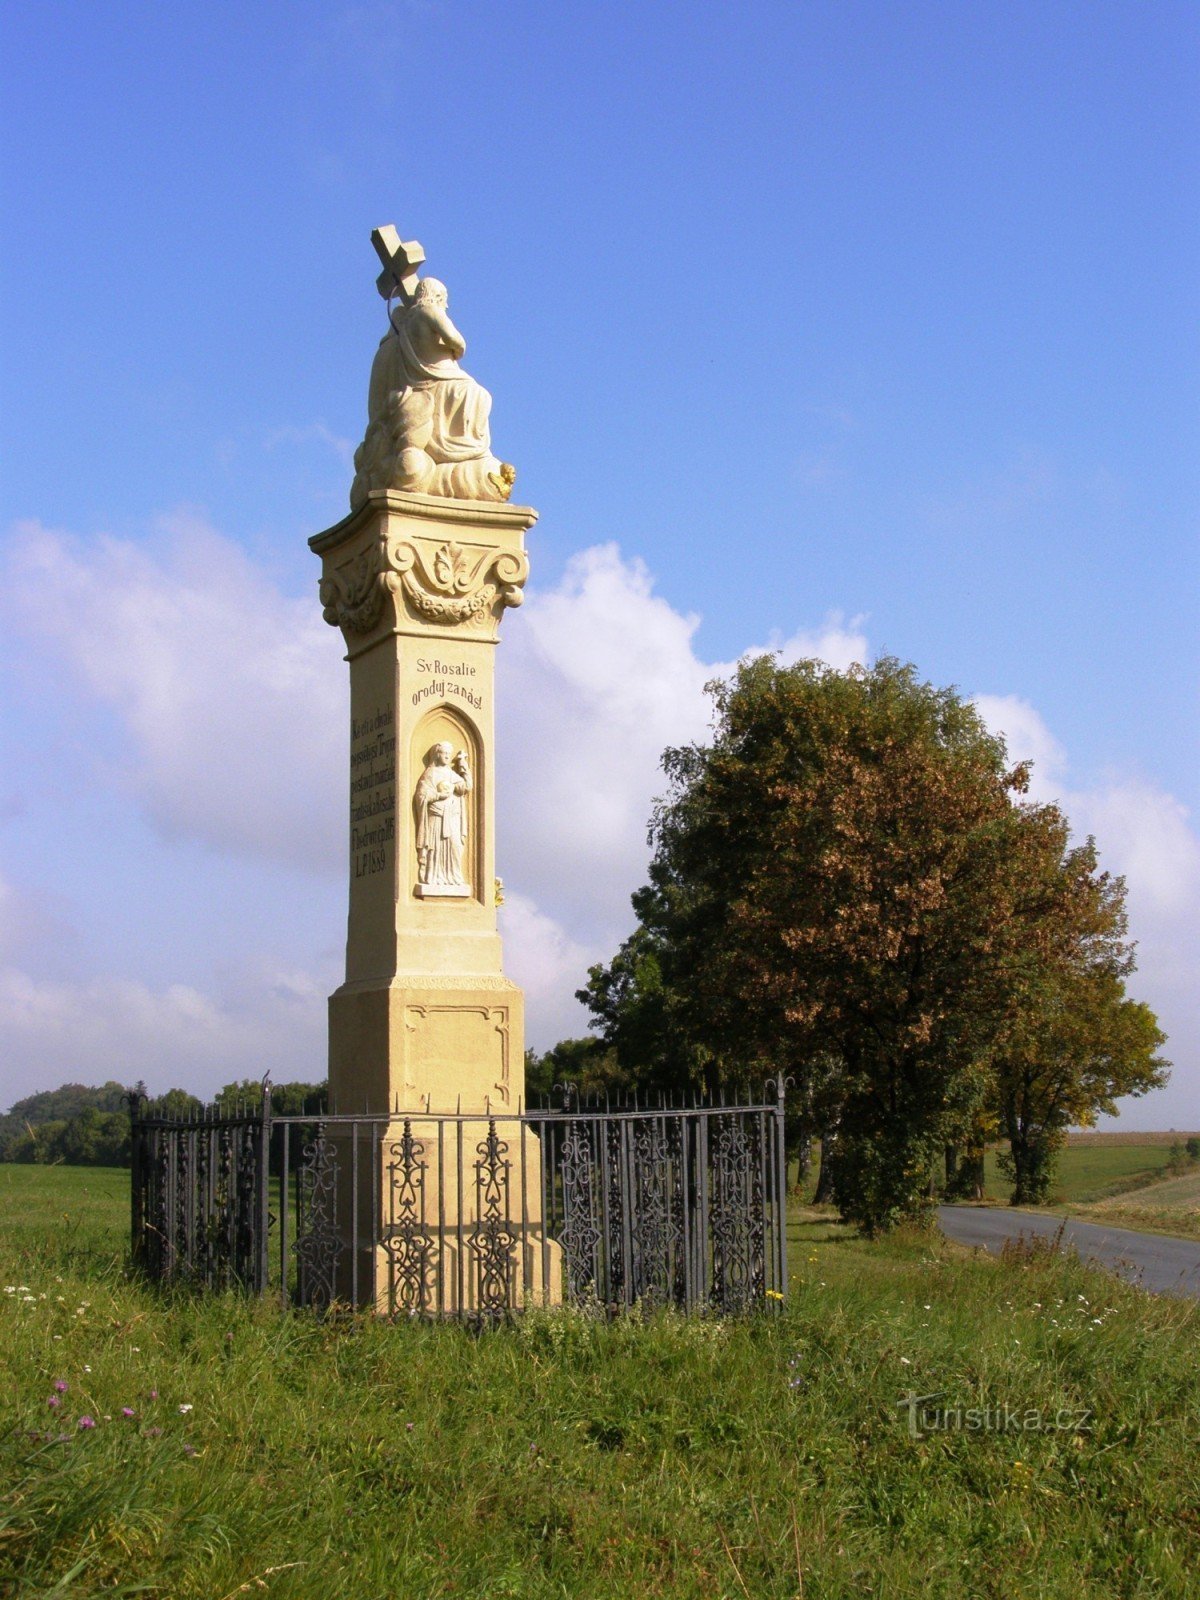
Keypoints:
(400, 263)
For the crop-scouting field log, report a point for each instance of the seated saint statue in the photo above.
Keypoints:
(427, 426)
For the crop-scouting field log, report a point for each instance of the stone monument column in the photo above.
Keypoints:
(425, 1019)
(426, 1025)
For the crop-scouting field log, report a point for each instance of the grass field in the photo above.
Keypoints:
(270, 1453)
(1087, 1172)
(1171, 1205)
(1119, 1179)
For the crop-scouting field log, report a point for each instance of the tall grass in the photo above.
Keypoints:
(568, 1457)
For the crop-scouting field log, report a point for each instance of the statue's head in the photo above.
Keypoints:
(431, 292)
(442, 753)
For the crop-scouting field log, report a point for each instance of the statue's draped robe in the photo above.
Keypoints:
(428, 419)
(442, 826)
(411, 357)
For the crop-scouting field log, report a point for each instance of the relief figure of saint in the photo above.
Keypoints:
(441, 808)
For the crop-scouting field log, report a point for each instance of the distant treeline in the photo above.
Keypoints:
(81, 1126)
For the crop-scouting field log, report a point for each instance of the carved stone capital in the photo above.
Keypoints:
(419, 565)
(449, 585)
(457, 585)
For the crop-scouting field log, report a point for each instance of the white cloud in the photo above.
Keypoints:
(1143, 832)
(597, 677)
(837, 642)
(1147, 833)
(229, 701)
(231, 695)
(120, 1028)
(29, 922)
(313, 433)
(1028, 739)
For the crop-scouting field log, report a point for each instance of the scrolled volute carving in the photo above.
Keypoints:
(454, 586)
(352, 597)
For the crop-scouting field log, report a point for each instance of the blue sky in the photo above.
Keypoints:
(867, 327)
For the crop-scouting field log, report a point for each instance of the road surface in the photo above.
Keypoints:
(1158, 1263)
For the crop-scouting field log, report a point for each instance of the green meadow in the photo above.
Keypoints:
(1120, 1180)
(1087, 1172)
(239, 1450)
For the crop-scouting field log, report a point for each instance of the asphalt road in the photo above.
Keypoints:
(1160, 1264)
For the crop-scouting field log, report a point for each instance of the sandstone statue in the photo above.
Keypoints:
(427, 419)
(441, 817)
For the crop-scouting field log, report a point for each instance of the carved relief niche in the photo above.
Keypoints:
(446, 853)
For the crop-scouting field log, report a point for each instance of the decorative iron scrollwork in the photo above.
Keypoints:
(739, 1262)
(160, 1207)
(246, 1219)
(615, 1209)
(581, 1232)
(656, 1226)
(493, 1240)
(318, 1243)
(682, 1207)
(184, 1205)
(408, 1242)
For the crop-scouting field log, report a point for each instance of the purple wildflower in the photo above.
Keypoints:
(153, 1433)
(54, 1401)
(87, 1422)
(60, 1386)
(128, 1411)
(154, 1394)
(189, 1450)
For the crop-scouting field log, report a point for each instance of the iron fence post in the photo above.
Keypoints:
(781, 1184)
(262, 1264)
(137, 1199)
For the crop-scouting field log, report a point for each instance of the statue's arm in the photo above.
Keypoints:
(421, 807)
(448, 335)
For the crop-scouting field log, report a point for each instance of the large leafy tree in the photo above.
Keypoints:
(1075, 1041)
(574, 1069)
(842, 889)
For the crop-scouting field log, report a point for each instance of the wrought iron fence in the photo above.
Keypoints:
(469, 1214)
(199, 1195)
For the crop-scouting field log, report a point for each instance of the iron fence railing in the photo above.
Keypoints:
(469, 1214)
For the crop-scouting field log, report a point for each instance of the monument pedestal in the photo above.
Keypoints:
(426, 1023)
(435, 1044)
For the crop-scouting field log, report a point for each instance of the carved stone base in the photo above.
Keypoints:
(431, 1044)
